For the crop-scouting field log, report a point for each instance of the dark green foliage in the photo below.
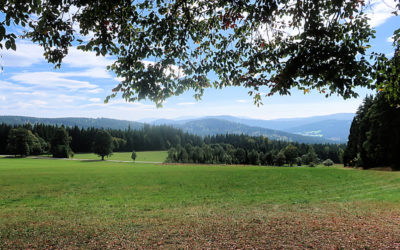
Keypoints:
(253, 157)
(310, 156)
(299, 161)
(133, 155)
(72, 122)
(198, 38)
(224, 38)
(103, 144)
(290, 153)
(223, 149)
(241, 149)
(60, 144)
(374, 139)
(38, 145)
(118, 144)
(240, 156)
(387, 71)
(279, 159)
(82, 139)
(20, 142)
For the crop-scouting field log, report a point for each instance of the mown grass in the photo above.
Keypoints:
(61, 203)
(151, 156)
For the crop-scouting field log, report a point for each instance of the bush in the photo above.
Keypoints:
(299, 161)
(133, 155)
(312, 164)
(328, 162)
(62, 151)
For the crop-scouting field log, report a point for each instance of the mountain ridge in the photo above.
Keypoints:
(73, 121)
(316, 130)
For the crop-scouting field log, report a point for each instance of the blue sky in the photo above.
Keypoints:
(29, 86)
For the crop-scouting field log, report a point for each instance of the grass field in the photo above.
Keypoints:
(152, 156)
(81, 204)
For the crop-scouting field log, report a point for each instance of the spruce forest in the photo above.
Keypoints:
(182, 147)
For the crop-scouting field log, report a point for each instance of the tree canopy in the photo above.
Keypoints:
(60, 141)
(374, 139)
(163, 48)
(103, 144)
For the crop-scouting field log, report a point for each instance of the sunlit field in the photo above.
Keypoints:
(95, 204)
(151, 156)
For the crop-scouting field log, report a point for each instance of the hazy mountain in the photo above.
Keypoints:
(212, 126)
(287, 123)
(317, 129)
(73, 121)
(158, 120)
(336, 130)
(332, 127)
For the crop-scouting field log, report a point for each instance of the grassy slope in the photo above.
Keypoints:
(153, 156)
(70, 203)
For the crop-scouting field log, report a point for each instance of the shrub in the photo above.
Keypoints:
(133, 155)
(328, 162)
(299, 161)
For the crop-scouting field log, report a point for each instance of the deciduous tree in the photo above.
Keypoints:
(165, 47)
(20, 141)
(291, 153)
(103, 144)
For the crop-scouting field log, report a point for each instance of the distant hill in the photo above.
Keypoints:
(333, 127)
(336, 130)
(318, 129)
(212, 126)
(73, 121)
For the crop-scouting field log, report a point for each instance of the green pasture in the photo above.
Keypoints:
(151, 156)
(63, 184)
(42, 198)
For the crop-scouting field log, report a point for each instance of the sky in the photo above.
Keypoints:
(29, 86)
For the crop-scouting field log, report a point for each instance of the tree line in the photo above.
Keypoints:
(374, 139)
(37, 139)
(242, 149)
(62, 141)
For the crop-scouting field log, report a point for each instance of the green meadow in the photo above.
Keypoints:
(151, 156)
(99, 204)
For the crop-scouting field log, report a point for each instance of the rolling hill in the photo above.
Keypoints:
(73, 121)
(333, 127)
(319, 129)
(213, 126)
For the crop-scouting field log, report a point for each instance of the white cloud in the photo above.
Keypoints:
(81, 59)
(390, 39)
(92, 73)
(95, 91)
(95, 99)
(53, 80)
(380, 11)
(34, 93)
(243, 101)
(39, 102)
(3, 98)
(62, 98)
(186, 103)
(8, 86)
(26, 55)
